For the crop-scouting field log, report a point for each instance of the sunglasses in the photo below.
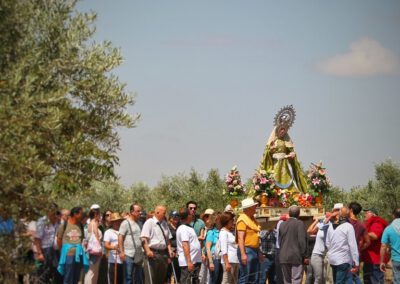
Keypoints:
(192, 208)
(108, 214)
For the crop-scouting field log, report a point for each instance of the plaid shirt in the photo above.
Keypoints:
(268, 243)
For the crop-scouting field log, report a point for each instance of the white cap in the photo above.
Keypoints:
(228, 208)
(95, 206)
(209, 211)
(338, 206)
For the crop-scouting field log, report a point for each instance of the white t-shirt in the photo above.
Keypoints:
(228, 246)
(185, 233)
(111, 236)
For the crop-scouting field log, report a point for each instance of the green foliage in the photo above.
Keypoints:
(172, 191)
(60, 105)
(108, 194)
(175, 191)
(383, 193)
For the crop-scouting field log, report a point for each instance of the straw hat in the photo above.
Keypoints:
(248, 202)
(115, 217)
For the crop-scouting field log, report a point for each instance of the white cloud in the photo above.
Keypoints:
(366, 57)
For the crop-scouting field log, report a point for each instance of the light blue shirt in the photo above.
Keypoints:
(212, 237)
(391, 236)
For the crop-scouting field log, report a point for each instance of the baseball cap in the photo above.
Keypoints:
(209, 211)
(95, 206)
(174, 214)
(372, 209)
(228, 208)
(338, 206)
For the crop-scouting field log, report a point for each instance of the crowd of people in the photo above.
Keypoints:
(71, 246)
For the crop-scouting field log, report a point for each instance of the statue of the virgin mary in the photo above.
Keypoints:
(279, 157)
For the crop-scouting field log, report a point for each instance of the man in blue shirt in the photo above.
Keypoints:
(391, 238)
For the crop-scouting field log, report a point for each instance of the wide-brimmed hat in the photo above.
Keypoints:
(248, 202)
(115, 217)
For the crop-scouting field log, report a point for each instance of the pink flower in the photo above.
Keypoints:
(257, 187)
(263, 180)
(321, 172)
(315, 181)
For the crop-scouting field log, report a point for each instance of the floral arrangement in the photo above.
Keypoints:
(235, 187)
(305, 200)
(319, 182)
(263, 182)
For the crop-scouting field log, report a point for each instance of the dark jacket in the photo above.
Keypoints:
(292, 242)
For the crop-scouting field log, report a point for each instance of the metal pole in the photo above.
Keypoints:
(115, 271)
(148, 267)
(173, 270)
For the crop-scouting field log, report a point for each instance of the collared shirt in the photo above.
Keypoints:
(46, 232)
(342, 245)
(252, 238)
(268, 242)
(152, 231)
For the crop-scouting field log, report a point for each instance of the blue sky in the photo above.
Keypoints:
(211, 75)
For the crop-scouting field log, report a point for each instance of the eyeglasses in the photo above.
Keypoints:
(192, 208)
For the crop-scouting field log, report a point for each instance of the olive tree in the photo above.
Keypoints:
(60, 105)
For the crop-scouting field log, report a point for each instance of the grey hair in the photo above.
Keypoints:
(294, 211)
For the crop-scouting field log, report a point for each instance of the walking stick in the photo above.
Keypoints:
(115, 272)
(148, 267)
(173, 270)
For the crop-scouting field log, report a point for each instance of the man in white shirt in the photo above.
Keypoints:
(342, 248)
(157, 246)
(189, 249)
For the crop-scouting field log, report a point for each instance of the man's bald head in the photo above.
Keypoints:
(160, 212)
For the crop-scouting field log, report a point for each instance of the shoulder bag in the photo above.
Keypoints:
(139, 256)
